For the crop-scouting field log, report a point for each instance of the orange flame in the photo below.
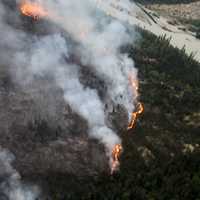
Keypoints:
(117, 150)
(35, 10)
(140, 108)
(32, 9)
(134, 116)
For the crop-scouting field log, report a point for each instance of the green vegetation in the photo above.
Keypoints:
(192, 24)
(162, 154)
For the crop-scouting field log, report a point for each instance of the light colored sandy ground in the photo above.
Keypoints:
(186, 11)
(135, 15)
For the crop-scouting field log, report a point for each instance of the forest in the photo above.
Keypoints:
(162, 154)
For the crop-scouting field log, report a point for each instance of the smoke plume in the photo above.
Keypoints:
(11, 186)
(97, 46)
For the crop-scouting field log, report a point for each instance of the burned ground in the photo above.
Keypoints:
(161, 155)
(37, 125)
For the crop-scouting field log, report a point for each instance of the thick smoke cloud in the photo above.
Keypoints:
(100, 44)
(11, 186)
(99, 41)
(46, 57)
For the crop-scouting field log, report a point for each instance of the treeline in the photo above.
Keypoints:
(162, 154)
(193, 25)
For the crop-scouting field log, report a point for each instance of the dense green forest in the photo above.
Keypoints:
(162, 154)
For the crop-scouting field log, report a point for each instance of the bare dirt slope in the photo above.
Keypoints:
(150, 20)
(188, 11)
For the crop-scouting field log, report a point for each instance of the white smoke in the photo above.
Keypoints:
(11, 185)
(99, 48)
(101, 41)
(46, 57)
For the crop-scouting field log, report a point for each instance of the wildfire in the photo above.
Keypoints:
(36, 11)
(115, 157)
(134, 115)
(32, 9)
(140, 108)
(117, 150)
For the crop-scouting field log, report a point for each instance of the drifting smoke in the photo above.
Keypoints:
(11, 186)
(99, 43)
(85, 101)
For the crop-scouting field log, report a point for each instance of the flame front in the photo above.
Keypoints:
(32, 9)
(134, 116)
(140, 108)
(117, 150)
(35, 10)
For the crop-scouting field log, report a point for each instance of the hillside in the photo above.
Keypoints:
(68, 84)
(187, 11)
(161, 155)
(183, 14)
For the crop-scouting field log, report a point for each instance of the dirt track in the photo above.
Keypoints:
(137, 15)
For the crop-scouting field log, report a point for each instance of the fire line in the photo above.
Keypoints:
(32, 9)
(115, 157)
(134, 116)
(36, 11)
(117, 150)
